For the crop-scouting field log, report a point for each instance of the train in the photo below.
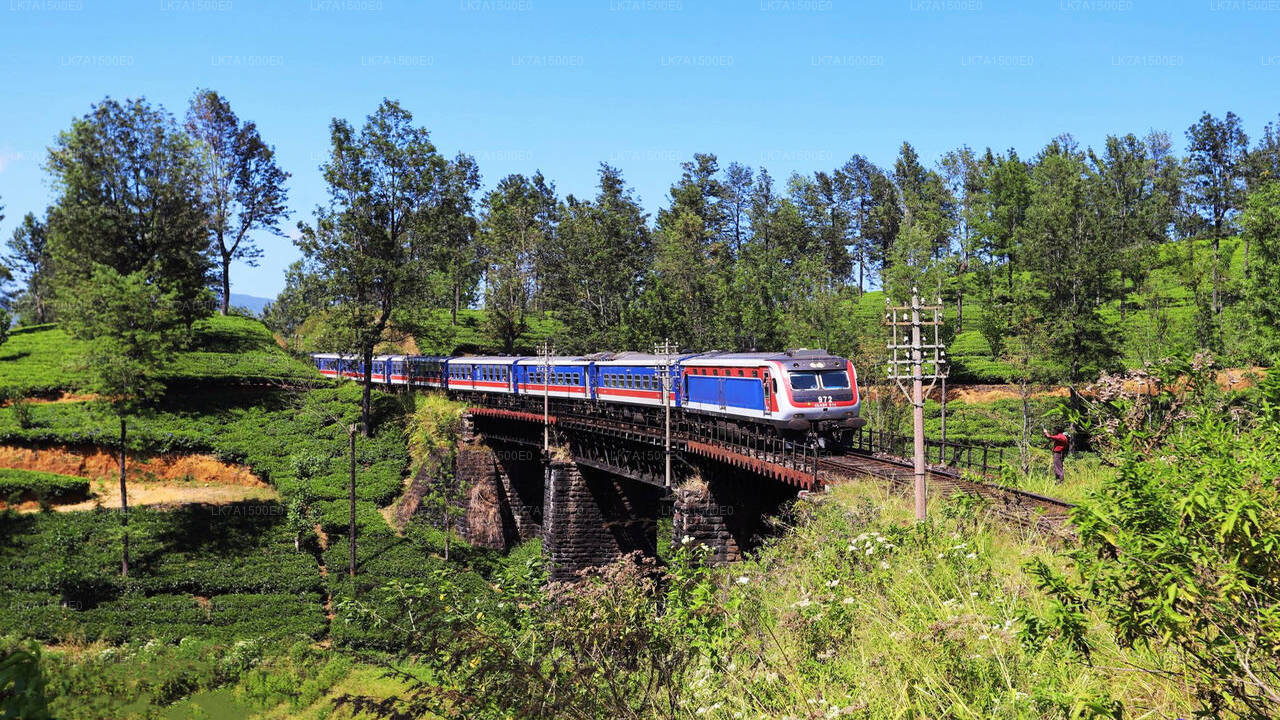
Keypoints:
(793, 392)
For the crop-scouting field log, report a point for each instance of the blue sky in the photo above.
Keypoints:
(793, 85)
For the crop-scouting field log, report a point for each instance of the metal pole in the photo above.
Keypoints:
(917, 400)
(666, 406)
(546, 397)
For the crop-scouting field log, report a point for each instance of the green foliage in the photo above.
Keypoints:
(127, 183)
(42, 485)
(132, 329)
(240, 181)
(22, 684)
(1178, 552)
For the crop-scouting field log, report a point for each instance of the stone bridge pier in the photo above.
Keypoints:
(587, 516)
(727, 510)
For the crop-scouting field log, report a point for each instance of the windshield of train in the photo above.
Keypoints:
(835, 379)
(826, 379)
(804, 381)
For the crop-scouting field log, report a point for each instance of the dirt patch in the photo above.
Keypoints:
(973, 393)
(64, 397)
(172, 479)
(106, 493)
(94, 463)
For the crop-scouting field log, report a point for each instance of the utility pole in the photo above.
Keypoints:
(352, 430)
(546, 353)
(916, 368)
(666, 350)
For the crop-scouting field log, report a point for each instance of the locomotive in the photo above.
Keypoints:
(794, 392)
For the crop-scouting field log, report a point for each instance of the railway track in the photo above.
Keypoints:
(1019, 507)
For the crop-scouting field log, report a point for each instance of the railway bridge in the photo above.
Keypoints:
(599, 490)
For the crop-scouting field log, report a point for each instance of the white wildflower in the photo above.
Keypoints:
(972, 555)
(884, 565)
(743, 579)
(848, 601)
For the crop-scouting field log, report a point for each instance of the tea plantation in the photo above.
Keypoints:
(223, 586)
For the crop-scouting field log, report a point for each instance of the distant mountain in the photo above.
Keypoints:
(252, 302)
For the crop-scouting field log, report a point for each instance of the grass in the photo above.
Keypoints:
(859, 612)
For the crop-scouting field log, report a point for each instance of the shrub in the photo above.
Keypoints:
(40, 485)
(1182, 552)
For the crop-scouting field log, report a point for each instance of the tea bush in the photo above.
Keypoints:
(41, 485)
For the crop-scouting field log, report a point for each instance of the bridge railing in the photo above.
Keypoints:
(978, 457)
(797, 455)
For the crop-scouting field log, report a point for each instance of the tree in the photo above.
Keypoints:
(692, 265)
(597, 259)
(964, 182)
(240, 182)
(126, 180)
(302, 297)
(1132, 214)
(1216, 173)
(928, 215)
(737, 199)
(1001, 211)
(870, 202)
(1261, 224)
(391, 198)
(517, 224)
(1264, 160)
(29, 257)
(1177, 552)
(1072, 270)
(132, 327)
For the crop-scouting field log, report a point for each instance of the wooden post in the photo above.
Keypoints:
(917, 402)
(124, 504)
(351, 503)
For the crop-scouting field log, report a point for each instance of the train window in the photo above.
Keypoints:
(804, 380)
(835, 379)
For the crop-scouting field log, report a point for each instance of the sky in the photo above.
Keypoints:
(526, 85)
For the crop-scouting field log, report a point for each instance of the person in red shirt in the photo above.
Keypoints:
(1060, 443)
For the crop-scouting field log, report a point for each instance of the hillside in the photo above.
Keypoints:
(217, 570)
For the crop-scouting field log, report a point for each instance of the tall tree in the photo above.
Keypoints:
(692, 268)
(517, 224)
(131, 326)
(29, 258)
(126, 180)
(1001, 209)
(1072, 270)
(737, 185)
(1132, 214)
(1264, 159)
(1261, 224)
(597, 259)
(1216, 173)
(374, 241)
(928, 213)
(240, 182)
(963, 178)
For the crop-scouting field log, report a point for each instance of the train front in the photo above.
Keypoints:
(821, 393)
